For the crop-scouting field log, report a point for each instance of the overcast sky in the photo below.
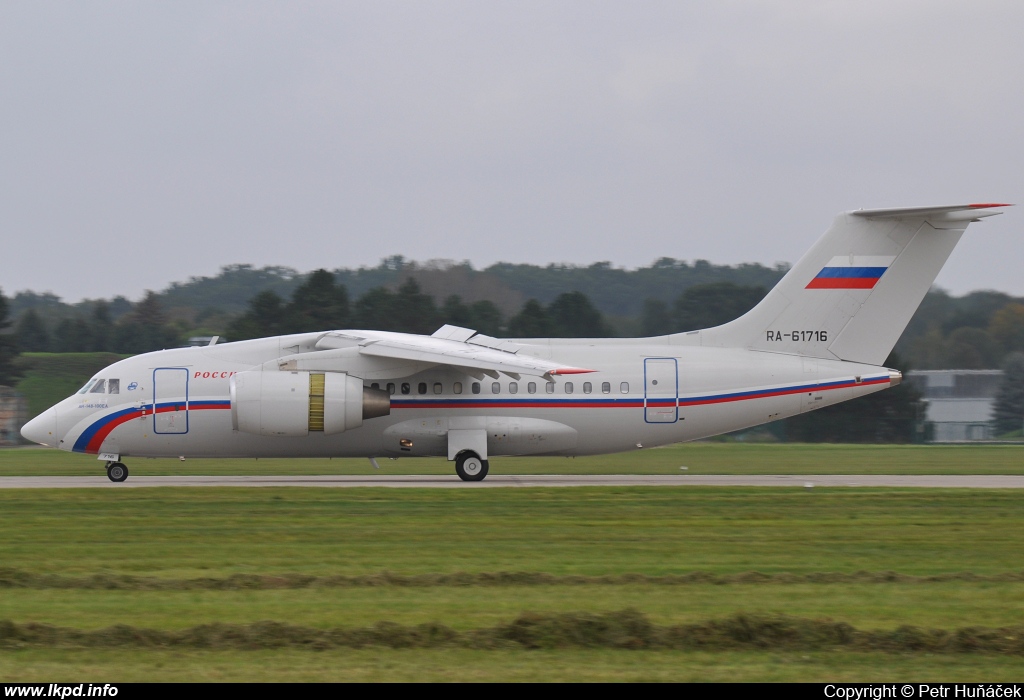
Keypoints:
(142, 143)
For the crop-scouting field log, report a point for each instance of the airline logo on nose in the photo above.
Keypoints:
(851, 272)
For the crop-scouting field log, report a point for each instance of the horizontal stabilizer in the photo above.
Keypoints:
(955, 212)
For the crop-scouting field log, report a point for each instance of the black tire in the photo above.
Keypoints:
(470, 467)
(117, 472)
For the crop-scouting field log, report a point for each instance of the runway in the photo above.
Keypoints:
(522, 481)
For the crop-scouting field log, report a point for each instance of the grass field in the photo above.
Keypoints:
(697, 457)
(330, 560)
(514, 665)
(274, 584)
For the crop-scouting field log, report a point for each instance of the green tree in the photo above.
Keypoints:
(486, 317)
(375, 310)
(456, 313)
(1008, 412)
(72, 335)
(482, 316)
(1007, 327)
(532, 321)
(710, 305)
(406, 311)
(974, 310)
(656, 319)
(414, 311)
(573, 316)
(101, 327)
(971, 348)
(145, 328)
(32, 333)
(318, 304)
(266, 316)
(8, 346)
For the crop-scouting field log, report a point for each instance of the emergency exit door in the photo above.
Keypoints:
(661, 382)
(170, 400)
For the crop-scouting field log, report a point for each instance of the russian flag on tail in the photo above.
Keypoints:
(851, 272)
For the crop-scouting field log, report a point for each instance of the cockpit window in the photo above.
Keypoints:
(113, 386)
(88, 384)
(99, 387)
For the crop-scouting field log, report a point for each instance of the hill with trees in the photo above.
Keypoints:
(975, 331)
(979, 330)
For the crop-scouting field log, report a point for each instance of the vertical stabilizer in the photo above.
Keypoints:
(854, 292)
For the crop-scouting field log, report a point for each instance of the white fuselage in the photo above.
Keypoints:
(816, 339)
(641, 393)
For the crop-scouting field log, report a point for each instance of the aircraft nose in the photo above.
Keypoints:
(42, 428)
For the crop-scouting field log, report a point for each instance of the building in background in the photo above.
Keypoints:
(960, 401)
(13, 414)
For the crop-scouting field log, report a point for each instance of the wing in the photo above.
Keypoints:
(464, 348)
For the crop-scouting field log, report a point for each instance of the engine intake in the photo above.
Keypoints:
(296, 404)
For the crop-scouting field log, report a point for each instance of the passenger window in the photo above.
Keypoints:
(457, 387)
(496, 387)
(437, 387)
(375, 385)
(99, 386)
(549, 388)
(391, 388)
(624, 387)
(476, 387)
(606, 387)
(422, 388)
(114, 386)
(568, 387)
(513, 388)
(406, 387)
(531, 387)
(587, 387)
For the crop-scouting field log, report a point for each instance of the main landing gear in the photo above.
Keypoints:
(470, 467)
(116, 471)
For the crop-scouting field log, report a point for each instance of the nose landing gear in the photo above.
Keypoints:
(116, 471)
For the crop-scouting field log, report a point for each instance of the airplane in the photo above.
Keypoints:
(819, 337)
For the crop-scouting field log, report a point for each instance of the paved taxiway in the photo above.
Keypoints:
(507, 480)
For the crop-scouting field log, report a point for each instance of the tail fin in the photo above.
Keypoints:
(854, 292)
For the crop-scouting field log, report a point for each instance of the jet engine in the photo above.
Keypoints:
(299, 403)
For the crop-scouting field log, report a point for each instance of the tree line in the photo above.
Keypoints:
(143, 328)
(321, 303)
(977, 331)
(974, 331)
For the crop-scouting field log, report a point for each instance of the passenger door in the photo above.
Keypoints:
(661, 392)
(170, 400)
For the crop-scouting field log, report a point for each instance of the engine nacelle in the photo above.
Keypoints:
(299, 403)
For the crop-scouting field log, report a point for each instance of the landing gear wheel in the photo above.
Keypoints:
(117, 472)
(470, 467)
